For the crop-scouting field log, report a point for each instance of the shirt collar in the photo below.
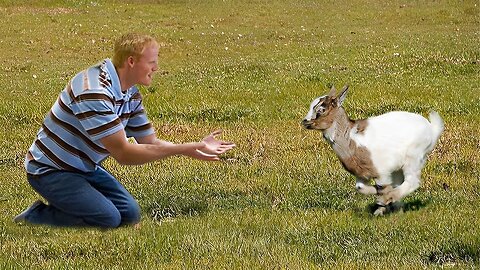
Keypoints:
(116, 88)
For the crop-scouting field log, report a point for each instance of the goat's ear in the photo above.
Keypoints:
(342, 96)
(333, 91)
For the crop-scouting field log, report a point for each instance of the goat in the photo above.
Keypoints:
(390, 148)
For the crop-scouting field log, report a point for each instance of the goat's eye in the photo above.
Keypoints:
(320, 111)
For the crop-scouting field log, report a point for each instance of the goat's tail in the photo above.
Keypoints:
(437, 127)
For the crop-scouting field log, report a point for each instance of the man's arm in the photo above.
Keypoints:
(150, 139)
(150, 148)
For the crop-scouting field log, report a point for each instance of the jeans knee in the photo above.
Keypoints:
(111, 219)
(132, 214)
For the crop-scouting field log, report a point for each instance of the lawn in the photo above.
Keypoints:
(280, 199)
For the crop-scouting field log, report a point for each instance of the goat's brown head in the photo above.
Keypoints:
(323, 110)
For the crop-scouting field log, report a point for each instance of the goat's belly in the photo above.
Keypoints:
(360, 167)
(388, 160)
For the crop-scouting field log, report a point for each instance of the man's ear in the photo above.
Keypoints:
(130, 61)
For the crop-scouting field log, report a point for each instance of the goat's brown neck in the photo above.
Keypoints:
(338, 134)
(355, 159)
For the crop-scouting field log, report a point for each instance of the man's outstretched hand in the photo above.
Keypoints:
(214, 146)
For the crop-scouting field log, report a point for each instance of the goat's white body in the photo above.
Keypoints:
(399, 143)
(395, 139)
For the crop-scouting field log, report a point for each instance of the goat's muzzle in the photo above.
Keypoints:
(307, 124)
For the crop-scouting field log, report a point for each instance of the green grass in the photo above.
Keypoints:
(280, 199)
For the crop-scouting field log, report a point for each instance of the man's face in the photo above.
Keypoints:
(144, 67)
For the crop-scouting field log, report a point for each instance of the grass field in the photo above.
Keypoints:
(281, 199)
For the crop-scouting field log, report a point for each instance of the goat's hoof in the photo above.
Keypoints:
(384, 200)
(380, 211)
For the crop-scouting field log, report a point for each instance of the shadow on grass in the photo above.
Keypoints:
(414, 205)
(453, 253)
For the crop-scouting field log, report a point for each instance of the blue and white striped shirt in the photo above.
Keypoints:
(91, 107)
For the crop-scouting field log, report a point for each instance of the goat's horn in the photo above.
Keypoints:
(333, 91)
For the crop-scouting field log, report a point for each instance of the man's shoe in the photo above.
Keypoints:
(22, 216)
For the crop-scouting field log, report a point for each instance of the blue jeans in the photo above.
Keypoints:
(94, 199)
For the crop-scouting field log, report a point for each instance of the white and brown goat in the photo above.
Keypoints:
(390, 148)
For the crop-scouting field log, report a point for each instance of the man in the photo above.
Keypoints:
(92, 118)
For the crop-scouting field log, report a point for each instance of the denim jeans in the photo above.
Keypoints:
(94, 199)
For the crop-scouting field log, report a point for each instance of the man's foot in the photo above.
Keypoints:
(22, 216)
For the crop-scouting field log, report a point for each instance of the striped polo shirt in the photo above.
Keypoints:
(91, 107)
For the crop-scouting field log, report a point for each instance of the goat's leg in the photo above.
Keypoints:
(411, 171)
(383, 188)
(411, 183)
(383, 199)
(380, 211)
(364, 187)
(389, 197)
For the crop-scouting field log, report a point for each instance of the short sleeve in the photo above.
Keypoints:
(138, 124)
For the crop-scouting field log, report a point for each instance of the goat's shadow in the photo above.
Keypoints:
(414, 205)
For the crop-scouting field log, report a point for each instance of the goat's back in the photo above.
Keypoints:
(396, 128)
